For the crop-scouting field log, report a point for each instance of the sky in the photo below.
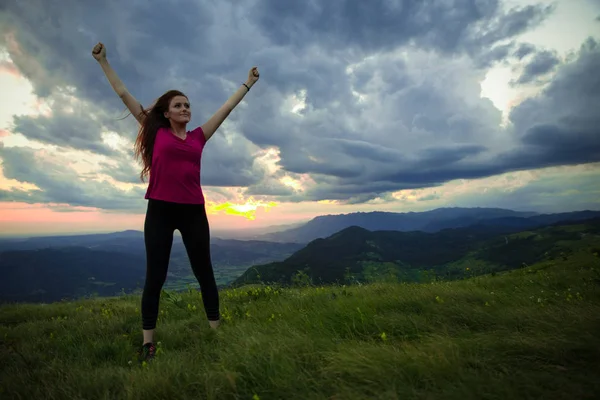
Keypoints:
(386, 105)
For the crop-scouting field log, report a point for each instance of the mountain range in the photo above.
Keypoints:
(427, 221)
(358, 255)
(46, 269)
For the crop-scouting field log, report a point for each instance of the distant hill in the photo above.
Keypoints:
(427, 221)
(47, 269)
(252, 233)
(122, 240)
(515, 222)
(356, 254)
(48, 275)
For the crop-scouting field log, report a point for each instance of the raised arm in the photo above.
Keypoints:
(211, 126)
(134, 106)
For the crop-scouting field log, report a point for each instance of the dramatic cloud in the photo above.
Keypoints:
(495, 55)
(60, 184)
(542, 63)
(561, 126)
(357, 99)
(524, 50)
(72, 129)
(553, 191)
(122, 171)
(384, 25)
(403, 122)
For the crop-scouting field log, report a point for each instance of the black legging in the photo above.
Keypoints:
(162, 218)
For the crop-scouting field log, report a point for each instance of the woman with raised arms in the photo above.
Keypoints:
(171, 156)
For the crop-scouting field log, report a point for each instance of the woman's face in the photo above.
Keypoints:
(179, 110)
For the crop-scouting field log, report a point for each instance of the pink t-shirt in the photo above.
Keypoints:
(175, 171)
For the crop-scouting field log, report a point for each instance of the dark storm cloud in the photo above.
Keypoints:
(551, 192)
(496, 54)
(516, 21)
(59, 184)
(229, 164)
(123, 171)
(63, 130)
(558, 127)
(269, 187)
(562, 125)
(381, 25)
(408, 140)
(421, 122)
(524, 50)
(25, 196)
(542, 63)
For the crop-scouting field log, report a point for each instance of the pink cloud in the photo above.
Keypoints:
(9, 69)
(4, 133)
(20, 218)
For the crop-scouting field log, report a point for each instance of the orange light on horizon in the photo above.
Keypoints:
(246, 210)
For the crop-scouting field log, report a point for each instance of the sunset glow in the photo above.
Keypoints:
(246, 210)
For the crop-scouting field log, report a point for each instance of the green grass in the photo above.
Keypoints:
(528, 333)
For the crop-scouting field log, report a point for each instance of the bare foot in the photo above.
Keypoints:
(214, 324)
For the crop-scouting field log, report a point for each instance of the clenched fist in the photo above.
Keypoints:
(99, 52)
(253, 75)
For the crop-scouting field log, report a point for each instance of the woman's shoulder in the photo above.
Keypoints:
(198, 132)
(161, 130)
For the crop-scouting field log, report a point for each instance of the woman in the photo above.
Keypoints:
(171, 157)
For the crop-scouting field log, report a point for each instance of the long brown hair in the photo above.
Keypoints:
(154, 120)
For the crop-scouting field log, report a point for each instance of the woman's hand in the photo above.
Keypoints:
(99, 52)
(253, 75)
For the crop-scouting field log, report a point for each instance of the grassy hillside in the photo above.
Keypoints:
(529, 333)
(356, 254)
